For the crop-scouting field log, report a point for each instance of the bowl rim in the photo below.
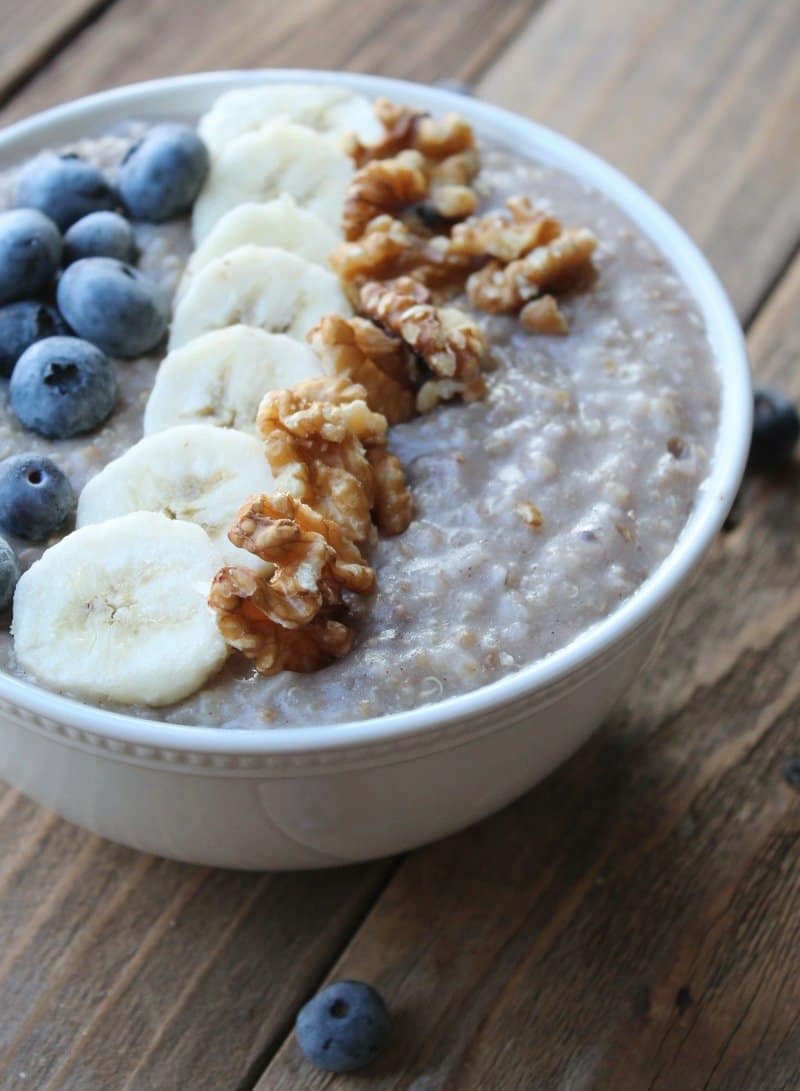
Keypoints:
(714, 499)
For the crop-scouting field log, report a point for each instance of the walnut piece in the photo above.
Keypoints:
(340, 344)
(389, 249)
(446, 339)
(505, 237)
(316, 436)
(393, 503)
(553, 266)
(380, 186)
(544, 315)
(422, 159)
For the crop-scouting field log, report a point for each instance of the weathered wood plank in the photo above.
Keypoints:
(32, 31)
(631, 923)
(698, 101)
(140, 39)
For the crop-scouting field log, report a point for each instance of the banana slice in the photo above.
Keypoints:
(276, 223)
(220, 378)
(260, 286)
(280, 158)
(119, 612)
(196, 473)
(327, 109)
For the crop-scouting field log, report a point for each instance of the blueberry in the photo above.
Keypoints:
(36, 497)
(776, 428)
(343, 1027)
(100, 235)
(161, 176)
(30, 253)
(65, 187)
(113, 305)
(9, 574)
(63, 387)
(22, 325)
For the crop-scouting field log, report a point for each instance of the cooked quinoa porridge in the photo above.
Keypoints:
(538, 509)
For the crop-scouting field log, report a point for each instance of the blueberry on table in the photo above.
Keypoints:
(30, 253)
(63, 387)
(776, 429)
(100, 235)
(22, 325)
(113, 305)
(65, 187)
(36, 497)
(343, 1027)
(163, 173)
(9, 574)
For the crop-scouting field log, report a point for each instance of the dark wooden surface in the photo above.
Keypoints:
(632, 922)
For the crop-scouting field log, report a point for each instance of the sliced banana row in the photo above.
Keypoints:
(119, 612)
(118, 609)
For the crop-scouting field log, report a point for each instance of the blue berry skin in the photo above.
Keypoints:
(22, 325)
(36, 498)
(65, 187)
(113, 305)
(30, 253)
(776, 430)
(100, 235)
(343, 1027)
(9, 574)
(63, 387)
(161, 176)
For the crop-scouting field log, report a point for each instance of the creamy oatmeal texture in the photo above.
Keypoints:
(537, 510)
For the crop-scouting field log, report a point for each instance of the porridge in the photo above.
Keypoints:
(546, 487)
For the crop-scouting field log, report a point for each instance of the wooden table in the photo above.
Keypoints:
(633, 922)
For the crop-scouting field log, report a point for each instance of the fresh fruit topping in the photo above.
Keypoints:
(30, 253)
(65, 187)
(36, 498)
(22, 325)
(118, 612)
(280, 158)
(197, 473)
(260, 286)
(326, 108)
(113, 305)
(221, 377)
(62, 387)
(100, 235)
(344, 1027)
(776, 429)
(163, 173)
(9, 574)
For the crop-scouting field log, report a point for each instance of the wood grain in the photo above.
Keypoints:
(33, 30)
(631, 923)
(140, 39)
(699, 100)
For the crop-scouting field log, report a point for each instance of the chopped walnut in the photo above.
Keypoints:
(393, 504)
(336, 342)
(284, 618)
(237, 597)
(552, 266)
(543, 315)
(446, 339)
(389, 249)
(383, 185)
(424, 159)
(317, 435)
(506, 237)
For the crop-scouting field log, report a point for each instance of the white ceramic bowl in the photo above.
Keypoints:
(323, 795)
